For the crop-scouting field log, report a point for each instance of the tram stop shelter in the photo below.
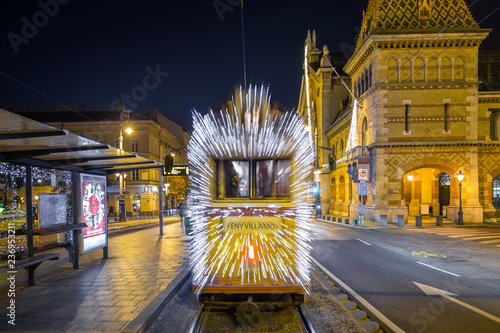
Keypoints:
(53, 192)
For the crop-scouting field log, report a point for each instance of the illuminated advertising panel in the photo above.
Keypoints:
(93, 196)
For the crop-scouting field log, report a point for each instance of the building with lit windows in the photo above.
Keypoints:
(422, 111)
(152, 137)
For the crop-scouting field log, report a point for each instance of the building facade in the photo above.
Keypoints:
(422, 112)
(153, 137)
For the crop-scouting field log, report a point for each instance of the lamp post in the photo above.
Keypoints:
(125, 114)
(460, 177)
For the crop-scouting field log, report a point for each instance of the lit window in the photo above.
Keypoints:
(496, 192)
(495, 125)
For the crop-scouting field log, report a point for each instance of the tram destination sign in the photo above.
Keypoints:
(177, 170)
(252, 224)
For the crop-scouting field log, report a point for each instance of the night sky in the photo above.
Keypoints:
(93, 52)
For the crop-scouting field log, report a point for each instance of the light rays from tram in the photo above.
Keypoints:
(248, 130)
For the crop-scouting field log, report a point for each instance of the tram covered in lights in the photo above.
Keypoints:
(250, 173)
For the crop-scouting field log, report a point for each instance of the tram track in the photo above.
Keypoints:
(326, 309)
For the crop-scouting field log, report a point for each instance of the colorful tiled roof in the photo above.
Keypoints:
(386, 15)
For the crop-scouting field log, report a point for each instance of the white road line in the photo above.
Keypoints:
(362, 241)
(467, 235)
(490, 241)
(483, 237)
(360, 299)
(439, 269)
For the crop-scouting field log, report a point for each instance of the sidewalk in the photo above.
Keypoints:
(121, 293)
(427, 222)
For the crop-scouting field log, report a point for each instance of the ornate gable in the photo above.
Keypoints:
(387, 15)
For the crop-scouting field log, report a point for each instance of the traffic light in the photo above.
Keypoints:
(331, 162)
(169, 163)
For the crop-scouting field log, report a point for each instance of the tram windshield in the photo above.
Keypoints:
(255, 179)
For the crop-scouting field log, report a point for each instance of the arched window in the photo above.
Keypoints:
(496, 192)
(367, 81)
(333, 191)
(418, 70)
(445, 69)
(406, 70)
(432, 69)
(459, 70)
(364, 132)
(370, 74)
(341, 154)
(392, 71)
(342, 189)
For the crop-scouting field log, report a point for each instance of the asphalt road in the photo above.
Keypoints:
(379, 266)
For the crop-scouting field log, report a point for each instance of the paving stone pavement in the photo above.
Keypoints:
(104, 294)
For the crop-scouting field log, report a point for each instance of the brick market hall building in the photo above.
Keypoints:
(422, 116)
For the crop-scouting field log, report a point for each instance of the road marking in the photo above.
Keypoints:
(362, 241)
(483, 237)
(360, 299)
(490, 241)
(431, 291)
(439, 269)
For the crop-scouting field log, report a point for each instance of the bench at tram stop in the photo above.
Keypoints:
(31, 263)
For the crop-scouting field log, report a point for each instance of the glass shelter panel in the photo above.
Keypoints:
(12, 210)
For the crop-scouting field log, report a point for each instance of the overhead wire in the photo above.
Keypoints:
(44, 95)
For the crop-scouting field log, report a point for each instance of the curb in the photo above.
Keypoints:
(354, 226)
(142, 322)
(351, 307)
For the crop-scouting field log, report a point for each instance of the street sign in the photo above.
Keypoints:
(361, 209)
(363, 174)
(177, 170)
(362, 189)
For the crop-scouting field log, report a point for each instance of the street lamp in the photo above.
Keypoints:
(460, 177)
(124, 115)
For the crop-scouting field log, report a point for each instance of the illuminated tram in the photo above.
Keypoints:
(250, 173)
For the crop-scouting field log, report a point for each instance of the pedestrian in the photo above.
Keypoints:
(182, 214)
(111, 211)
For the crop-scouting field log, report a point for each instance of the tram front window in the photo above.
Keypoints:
(264, 178)
(237, 179)
(270, 178)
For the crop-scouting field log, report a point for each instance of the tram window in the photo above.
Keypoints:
(496, 192)
(237, 179)
(282, 177)
(264, 179)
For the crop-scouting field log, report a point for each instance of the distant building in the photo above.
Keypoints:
(429, 106)
(153, 137)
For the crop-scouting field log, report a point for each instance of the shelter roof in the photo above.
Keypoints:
(26, 141)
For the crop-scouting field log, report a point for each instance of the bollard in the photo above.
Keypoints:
(383, 220)
(439, 220)
(400, 220)
(346, 221)
(418, 220)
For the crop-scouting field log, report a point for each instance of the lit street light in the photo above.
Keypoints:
(460, 177)
(125, 114)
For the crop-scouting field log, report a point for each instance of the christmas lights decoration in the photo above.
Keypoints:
(248, 130)
(352, 142)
